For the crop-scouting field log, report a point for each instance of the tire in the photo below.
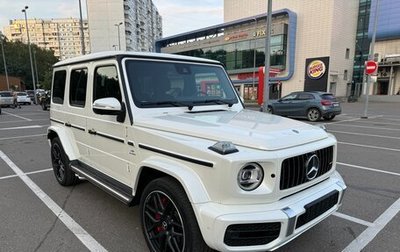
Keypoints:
(61, 164)
(270, 110)
(329, 117)
(44, 106)
(168, 219)
(313, 114)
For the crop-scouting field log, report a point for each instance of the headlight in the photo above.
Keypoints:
(250, 176)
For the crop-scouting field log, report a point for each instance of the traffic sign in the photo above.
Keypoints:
(371, 67)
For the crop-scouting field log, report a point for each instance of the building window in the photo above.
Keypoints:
(347, 53)
(345, 75)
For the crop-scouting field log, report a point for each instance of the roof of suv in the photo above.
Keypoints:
(113, 54)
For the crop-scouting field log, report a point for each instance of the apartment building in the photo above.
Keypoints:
(131, 25)
(59, 35)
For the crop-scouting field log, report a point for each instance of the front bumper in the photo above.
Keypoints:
(214, 219)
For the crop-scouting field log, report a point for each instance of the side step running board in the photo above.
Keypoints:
(110, 185)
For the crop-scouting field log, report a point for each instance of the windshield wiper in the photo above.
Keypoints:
(217, 101)
(172, 103)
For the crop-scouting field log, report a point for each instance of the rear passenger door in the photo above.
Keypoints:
(107, 137)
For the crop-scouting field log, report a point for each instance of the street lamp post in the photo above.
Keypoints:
(254, 59)
(119, 37)
(4, 60)
(81, 28)
(371, 57)
(30, 53)
(267, 56)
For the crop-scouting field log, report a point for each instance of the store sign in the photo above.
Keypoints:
(316, 74)
(236, 36)
(259, 33)
(316, 69)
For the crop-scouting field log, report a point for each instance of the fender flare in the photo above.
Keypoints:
(190, 181)
(71, 149)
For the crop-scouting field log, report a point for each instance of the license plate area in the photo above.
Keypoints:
(317, 208)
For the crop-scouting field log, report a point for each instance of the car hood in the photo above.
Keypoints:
(244, 128)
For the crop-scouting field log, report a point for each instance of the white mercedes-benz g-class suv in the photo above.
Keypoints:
(171, 134)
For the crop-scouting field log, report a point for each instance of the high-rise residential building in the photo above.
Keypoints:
(60, 35)
(131, 25)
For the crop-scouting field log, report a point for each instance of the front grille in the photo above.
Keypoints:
(318, 207)
(293, 171)
(251, 234)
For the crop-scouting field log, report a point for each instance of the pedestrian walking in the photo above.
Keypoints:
(15, 98)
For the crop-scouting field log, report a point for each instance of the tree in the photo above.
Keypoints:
(18, 63)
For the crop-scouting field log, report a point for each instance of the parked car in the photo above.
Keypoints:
(6, 99)
(31, 95)
(314, 105)
(23, 98)
(170, 133)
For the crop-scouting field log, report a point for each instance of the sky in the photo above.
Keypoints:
(178, 15)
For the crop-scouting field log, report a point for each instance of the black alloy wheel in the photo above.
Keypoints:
(168, 220)
(61, 164)
(163, 223)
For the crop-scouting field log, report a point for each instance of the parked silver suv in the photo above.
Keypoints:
(170, 133)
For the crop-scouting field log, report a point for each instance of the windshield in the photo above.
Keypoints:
(21, 94)
(175, 84)
(6, 94)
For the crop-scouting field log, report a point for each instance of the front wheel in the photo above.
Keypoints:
(313, 114)
(168, 220)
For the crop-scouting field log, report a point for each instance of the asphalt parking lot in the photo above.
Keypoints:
(37, 214)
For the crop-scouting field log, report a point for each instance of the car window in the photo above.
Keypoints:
(330, 97)
(305, 96)
(289, 97)
(77, 90)
(106, 83)
(21, 94)
(59, 86)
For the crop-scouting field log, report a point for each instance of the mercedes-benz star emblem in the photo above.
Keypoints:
(312, 167)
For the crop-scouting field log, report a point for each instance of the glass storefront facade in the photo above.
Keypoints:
(362, 46)
(245, 54)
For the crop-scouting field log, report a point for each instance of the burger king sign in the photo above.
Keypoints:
(316, 69)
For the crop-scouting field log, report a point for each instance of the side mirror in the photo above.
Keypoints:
(107, 106)
(110, 106)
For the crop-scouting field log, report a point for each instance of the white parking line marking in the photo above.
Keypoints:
(370, 146)
(375, 122)
(17, 137)
(353, 219)
(72, 225)
(27, 173)
(21, 117)
(22, 127)
(366, 127)
(352, 120)
(371, 232)
(7, 177)
(37, 120)
(368, 169)
(361, 134)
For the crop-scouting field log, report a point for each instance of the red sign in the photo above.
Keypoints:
(371, 67)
